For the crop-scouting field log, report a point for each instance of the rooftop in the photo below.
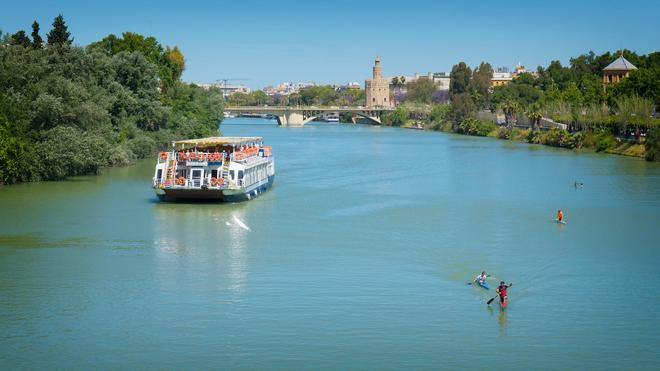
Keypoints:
(620, 64)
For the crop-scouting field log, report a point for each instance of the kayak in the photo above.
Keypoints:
(483, 284)
(560, 221)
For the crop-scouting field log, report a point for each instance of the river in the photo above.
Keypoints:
(358, 257)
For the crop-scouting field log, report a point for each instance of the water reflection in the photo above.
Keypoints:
(501, 320)
(201, 246)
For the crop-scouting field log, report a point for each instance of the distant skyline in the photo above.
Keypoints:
(266, 43)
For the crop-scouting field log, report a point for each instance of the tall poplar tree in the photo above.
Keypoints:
(59, 36)
(37, 41)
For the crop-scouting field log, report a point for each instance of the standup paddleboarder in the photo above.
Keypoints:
(501, 290)
(560, 216)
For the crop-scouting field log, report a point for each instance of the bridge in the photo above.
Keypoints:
(300, 115)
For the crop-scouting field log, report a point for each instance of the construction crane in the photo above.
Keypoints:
(224, 84)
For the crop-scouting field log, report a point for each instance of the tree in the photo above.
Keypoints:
(480, 82)
(37, 41)
(510, 107)
(460, 79)
(462, 108)
(535, 116)
(20, 38)
(420, 90)
(59, 36)
(397, 117)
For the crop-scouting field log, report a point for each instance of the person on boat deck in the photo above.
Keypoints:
(501, 290)
(560, 215)
(481, 278)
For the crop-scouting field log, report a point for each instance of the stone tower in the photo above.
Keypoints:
(377, 89)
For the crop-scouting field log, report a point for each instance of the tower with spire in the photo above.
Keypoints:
(377, 89)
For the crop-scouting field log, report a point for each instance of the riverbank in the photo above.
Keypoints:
(601, 140)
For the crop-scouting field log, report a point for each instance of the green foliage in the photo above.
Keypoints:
(420, 90)
(476, 127)
(69, 151)
(398, 117)
(440, 112)
(37, 41)
(604, 141)
(21, 39)
(653, 144)
(460, 79)
(480, 84)
(72, 111)
(169, 62)
(59, 35)
(462, 108)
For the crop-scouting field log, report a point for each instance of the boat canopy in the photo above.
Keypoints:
(215, 141)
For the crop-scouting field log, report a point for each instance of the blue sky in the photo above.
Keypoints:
(267, 42)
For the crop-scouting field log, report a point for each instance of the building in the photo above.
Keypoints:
(227, 89)
(377, 89)
(501, 76)
(287, 88)
(440, 79)
(617, 70)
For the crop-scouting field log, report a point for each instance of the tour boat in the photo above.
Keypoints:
(332, 118)
(217, 168)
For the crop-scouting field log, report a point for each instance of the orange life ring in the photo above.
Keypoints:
(200, 156)
(180, 180)
(163, 156)
(182, 156)
(214, 182)
(192, 156)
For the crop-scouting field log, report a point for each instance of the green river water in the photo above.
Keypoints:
(357, 258)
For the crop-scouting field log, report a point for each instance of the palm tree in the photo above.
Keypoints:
(509, 107)
(535, 115)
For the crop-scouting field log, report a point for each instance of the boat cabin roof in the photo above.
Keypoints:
(215, 141)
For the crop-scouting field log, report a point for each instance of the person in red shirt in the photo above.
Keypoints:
(560, 216)
(501, 290)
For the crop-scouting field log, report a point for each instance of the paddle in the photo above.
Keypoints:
(491, 300)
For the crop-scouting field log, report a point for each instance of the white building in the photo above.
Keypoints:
(227, 89)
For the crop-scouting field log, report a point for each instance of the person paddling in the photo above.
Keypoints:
(481, 279)
(501, 291)
(560, 216)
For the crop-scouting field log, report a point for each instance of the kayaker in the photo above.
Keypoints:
(501, 290)
(480, 279)
(560, 216)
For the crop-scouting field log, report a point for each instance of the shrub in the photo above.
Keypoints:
(604, 141)
(533, 137)
(653, 144)
(476, 127)
(503, 133)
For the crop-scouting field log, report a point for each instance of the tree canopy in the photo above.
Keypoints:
(70, 111)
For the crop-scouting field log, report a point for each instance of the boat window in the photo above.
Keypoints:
(159, 174)
(240, 174)
(214, 173)
(231, 174)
